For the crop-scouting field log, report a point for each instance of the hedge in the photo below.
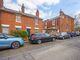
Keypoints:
(19, 33)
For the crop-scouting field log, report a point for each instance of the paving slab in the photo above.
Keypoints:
(4, 58)
(17, 57)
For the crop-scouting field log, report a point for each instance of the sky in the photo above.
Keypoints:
(47, 8)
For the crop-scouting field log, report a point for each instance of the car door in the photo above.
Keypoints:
(66, 35)
(3, 42)
(43, 38)
(40, 36)
(47, 37)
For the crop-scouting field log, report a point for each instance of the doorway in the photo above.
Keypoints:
(29, 32)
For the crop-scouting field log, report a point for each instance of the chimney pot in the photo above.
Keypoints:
(22, 8)
(37, 13)
(1, 3)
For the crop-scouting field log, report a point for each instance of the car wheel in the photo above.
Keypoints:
(15, 45)
(39, 41)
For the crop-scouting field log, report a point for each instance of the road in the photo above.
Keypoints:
(68, 49)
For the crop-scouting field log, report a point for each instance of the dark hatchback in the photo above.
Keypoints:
(40, 38)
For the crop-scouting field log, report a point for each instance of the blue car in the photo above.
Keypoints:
(72, 34)
(7, 41)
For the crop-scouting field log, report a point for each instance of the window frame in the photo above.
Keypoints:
(18, 18)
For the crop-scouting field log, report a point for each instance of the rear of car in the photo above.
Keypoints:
(72, 34)
(77, 33)
(40, 38)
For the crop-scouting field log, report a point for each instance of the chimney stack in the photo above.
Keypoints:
(22, 8)
(1, 3)
(37, 13)
(61, 12)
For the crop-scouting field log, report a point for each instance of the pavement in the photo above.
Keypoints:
(68, 49)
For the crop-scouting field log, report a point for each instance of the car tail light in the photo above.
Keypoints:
(33, 37)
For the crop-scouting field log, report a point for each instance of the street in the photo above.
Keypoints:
(67, 49)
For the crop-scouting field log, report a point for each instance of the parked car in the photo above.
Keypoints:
(8, 41)
(77, 33)
(40, 38)
(72, 34)
(62, 35)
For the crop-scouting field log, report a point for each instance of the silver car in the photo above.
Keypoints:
(62, 35)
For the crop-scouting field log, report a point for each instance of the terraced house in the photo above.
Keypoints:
(61, 23)
(19, 20)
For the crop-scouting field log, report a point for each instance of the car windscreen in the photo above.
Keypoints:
(63, 33)
(47, 35)
(38, 35)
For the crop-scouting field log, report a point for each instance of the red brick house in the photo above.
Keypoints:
(50, 25)
(61, 23)
(16, 20)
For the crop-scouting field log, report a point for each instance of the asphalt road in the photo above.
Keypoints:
(68, 49)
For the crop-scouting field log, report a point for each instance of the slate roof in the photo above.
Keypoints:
(18, 12)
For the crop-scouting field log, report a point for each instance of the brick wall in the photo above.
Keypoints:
(63, 23)
(66, 24)
(10, 19)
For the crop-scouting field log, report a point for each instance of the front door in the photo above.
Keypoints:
(28, 30)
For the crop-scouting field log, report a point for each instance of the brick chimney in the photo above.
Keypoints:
(37, 13)
(22, 8)
(61, 12)
(1, 3)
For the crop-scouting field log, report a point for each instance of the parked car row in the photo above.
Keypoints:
(64, 35)
(8, 41)
(74, 34)
(44, 37)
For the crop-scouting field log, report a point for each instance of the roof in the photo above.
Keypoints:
(55, 18)
(18, 12)
(69, 16)
(59, 16)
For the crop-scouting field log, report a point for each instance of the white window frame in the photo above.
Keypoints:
(28, 27)
(19, 27)
(5, 26)
(18, 18)
(36, 30)
(5, 31)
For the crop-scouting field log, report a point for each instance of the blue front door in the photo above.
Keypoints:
(28, 30)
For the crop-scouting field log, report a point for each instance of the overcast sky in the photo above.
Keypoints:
(48, 8)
